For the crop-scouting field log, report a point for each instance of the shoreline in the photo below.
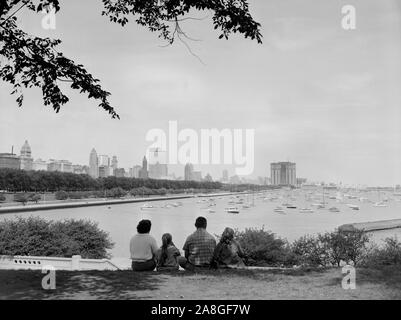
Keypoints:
(79, 204)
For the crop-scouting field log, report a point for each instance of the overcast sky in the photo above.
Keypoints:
(323, 97)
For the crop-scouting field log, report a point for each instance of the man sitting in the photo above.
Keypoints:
(198, 247)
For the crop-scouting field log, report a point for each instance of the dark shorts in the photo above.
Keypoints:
(149, 265)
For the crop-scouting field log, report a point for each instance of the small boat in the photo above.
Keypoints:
(279, 210)
(306, 210)
(334, 209)
(380, 204)
(177, 204)
(291, 206)
(147, 206)
(211, 210)
(353, 206)
(233, 210)
(318, 205)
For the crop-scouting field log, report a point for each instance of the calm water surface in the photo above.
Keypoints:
(121, 220)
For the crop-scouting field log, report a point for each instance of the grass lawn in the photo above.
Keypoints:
(220, 284)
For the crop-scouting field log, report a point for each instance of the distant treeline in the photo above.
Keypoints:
(43, 181)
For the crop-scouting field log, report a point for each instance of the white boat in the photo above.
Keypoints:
(279, 210)
(334, 209)
(234, 210)
(177, 204)
(380, 204)
(306, 210)
(147, 206)
(353, 206)
(211, 210)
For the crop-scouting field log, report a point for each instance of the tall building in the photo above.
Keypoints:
(104, 171)
(189, 171)
(93, 164)
(283, 174)
(134, 172)
(26, 157)
(143, 173)
(157, 164)
(9, 160)
(114, 164)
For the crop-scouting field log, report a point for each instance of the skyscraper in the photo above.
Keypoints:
(93, 164)
(157, 164)
(134, 172)
(26, 157)
(188, 172)
(143, 173)
(104, 166)
(283, 174)
(114, 164)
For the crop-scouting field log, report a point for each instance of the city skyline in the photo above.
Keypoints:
(338, 121)
(129, 171)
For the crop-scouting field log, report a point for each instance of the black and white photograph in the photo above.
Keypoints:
(200, 155)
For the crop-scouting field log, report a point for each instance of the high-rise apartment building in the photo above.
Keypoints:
(283, 174)
(93, 164)
(188, 172)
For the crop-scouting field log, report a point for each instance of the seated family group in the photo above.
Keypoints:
(200, 250)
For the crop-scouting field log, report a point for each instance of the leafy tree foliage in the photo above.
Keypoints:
(32, 61)
(35, 236)
(41, 181)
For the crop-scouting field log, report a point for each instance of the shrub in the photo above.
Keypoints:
(34, 197)
(35, 236)
(116, 193)
(331, 248)
(388, 254)
(2, 197)
(352, 245)
(61, 195)
(312, 251)
(21, 197)
(262, 247)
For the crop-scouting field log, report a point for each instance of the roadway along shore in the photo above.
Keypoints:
(90, 203)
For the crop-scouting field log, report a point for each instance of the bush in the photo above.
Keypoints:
(2, 197)
(116, 193)
(262, 247)
(21, 197)
(311, 251)
(389, 254)
(35, 236)
(61, 195)
(34, 197)
(331, 248)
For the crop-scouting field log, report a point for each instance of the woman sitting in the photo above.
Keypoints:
(228, 252)
(167, 255)
(143, 248)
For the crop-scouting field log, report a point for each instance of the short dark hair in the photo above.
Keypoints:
(144, 226)
(201, 222)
